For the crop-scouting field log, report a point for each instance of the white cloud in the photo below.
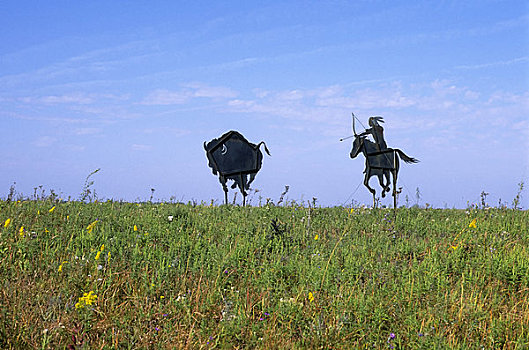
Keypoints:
(324, 104)
(365, 99)
(188, 92)
(44, 141)
(241, 103)
(177, 132)
(75, 148)
(72, 99)
(202, 90)
(65, 120)
(166, 97)
(141, 147)
(72, 68)
(87, 131)
(59, 99)
(437, 112)
(517, 60)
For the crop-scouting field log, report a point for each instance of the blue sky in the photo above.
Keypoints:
(135, 88)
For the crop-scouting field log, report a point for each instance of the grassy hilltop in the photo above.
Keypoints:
(124, 275)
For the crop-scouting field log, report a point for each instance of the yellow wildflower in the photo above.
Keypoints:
(87, 299)
(21, 231)
(60, 266)
(135, 228)
(108, 256)
(473, 223)
(98, 255)
(311, 297)
(90, 227)
(7, 223)
(316, 237)
(52, 209)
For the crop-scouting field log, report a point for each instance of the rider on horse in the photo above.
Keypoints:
(377, 132)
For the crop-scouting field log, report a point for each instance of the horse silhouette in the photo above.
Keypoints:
(381, 163)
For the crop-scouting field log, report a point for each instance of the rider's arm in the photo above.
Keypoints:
(367, 132)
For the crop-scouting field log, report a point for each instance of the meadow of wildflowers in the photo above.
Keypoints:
(167, 275)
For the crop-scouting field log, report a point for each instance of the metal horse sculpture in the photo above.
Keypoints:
(381, 163)
(234, 158)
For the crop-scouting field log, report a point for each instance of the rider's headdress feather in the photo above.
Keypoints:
(375, 120)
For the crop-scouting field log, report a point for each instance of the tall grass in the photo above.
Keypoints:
(174, 275)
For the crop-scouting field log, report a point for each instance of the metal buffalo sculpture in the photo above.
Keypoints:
(380, 159)
(234, 158)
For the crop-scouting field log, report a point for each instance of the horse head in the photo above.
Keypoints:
(357, 146)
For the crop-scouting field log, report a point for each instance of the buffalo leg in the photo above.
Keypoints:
(241, 183)
(223, 181)
(252, 177)
(244, 185)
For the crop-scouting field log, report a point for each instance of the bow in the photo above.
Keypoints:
(354, 131)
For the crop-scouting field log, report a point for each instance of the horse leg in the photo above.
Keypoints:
(388, 180)
(394, 172)
(385, 188)
(372, 190)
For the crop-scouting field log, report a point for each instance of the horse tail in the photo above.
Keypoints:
(405, 158)
(266, 148)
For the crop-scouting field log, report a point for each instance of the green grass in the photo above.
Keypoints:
(225, 277)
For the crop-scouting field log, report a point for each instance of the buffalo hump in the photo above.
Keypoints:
(233, 154)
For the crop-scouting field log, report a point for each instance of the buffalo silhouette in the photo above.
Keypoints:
(234, 158)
